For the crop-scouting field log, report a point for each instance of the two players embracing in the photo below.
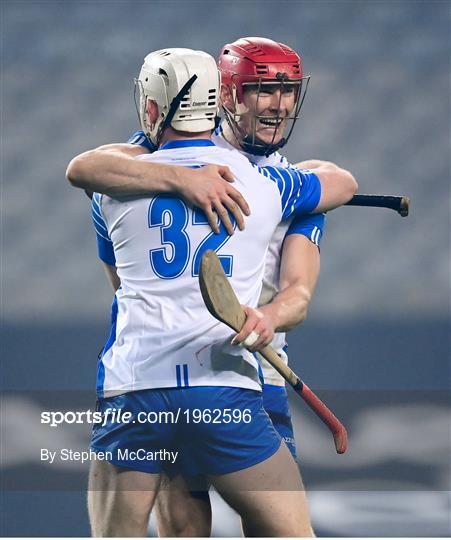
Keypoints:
(153, 217)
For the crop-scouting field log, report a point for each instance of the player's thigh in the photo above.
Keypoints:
(183, 510)
(268, 496)
(120, 500)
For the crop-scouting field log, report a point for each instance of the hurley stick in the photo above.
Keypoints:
(399, 204)
(223, 304)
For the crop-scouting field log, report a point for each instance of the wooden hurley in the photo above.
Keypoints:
(223, 304)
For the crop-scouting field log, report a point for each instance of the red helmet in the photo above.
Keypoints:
(259, 60)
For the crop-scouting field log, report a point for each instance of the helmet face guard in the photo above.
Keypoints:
(141, 106)
(263, 66)
(139, 97)
(282, 124)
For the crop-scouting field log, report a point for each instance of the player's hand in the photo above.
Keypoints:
(210, 189)
(258, 328)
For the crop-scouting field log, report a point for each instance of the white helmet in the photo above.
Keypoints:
(185, 86)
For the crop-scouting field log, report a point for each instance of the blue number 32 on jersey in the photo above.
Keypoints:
(171, 215)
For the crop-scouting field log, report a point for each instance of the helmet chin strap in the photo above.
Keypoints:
(174, 106)
(254, 146)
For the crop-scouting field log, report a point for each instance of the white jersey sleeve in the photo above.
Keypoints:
(300, 191)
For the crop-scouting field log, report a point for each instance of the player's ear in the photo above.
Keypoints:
(227, 98)
(152, 111)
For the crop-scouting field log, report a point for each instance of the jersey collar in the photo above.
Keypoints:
(180, 143)
(226, 144)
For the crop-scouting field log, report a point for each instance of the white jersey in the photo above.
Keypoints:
(164, 336)
(271, 276)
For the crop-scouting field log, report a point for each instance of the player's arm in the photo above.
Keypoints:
(114, 171)
(338, 185)
(314, 191)
(299, 271)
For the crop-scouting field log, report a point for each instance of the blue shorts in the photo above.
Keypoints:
(223, 442)
(275, 402)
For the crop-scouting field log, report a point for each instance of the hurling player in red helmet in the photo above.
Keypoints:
(263, 89)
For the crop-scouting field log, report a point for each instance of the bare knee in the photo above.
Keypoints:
(182, 513)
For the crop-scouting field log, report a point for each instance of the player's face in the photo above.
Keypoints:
(267, 108)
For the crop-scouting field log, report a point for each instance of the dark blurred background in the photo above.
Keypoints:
(376, 344)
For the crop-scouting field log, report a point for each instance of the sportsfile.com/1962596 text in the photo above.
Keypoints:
(118, 416)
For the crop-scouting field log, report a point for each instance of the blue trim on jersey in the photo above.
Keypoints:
(259, 370)
(100, 378)
(311, 226)
(311, 189)
(104, 244)
(108, 345)
(185, 374)
(139, 139)
(186, 142)
(178, 375)
(300, 190)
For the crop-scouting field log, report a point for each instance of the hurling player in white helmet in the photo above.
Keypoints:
(166, 356)
(279, 104)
